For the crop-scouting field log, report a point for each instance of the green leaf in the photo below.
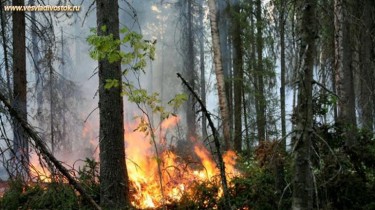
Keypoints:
(110, 83)
(103, 28)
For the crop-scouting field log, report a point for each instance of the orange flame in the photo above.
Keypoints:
(38, 172)
(153, 186)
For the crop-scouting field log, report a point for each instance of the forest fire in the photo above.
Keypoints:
(37, 171)
(157, 178)
(154, 185)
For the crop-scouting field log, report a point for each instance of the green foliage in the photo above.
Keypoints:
(105, 47)
(39, 196)
(256, 188)
(89, 178)
(323, 103)
(178, 100)
(345, 176)
(111, 83)
(203, 195)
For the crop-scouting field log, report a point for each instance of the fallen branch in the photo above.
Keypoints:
(46, 154)
(216, 141)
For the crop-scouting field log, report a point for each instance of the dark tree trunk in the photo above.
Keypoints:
(238, 75)
(190, 72)
(114, 186)
(261, 101)
(343, 67)
(303, 181)
(282, 68)
(202, 70)
(5, 49)
(21, 145)
(366, 68)
(279, 180)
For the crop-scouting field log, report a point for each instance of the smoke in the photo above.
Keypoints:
(75, 80)
(156, 22)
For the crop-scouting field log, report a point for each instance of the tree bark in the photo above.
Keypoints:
(279, 180)
(21, 145)
(114, 186)
(202, 70)
(302, 198)
(261, 112)
(343, 69)
(5, 50)
(366, 76)
(282, 69)
(219, 73)
(226, 56)
(190, 72)
(238, 74)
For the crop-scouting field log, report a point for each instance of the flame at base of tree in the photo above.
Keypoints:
(153, 185)
(157, 179)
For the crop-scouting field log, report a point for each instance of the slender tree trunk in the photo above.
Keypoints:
(5, 49)
(67, 145)
(51, 100)
(21, 145)
(302, 181)
(279, 181)
(366, 76)
(238, 75)
(261, 112)
(282, 69)
(219, 73)
(343, 69)
(35, 56)
(202, 70)
(225, 47)
(246, 124)
(114, 186)
(190, 112)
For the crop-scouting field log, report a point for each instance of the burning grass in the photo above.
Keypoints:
(175, 176)
(169, 178)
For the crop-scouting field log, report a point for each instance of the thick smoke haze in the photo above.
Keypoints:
(74, 79)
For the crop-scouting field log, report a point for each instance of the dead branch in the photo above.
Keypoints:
(216, 140)
(46, 154)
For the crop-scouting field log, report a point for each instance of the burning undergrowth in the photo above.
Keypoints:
(162, 172)
(170, 174)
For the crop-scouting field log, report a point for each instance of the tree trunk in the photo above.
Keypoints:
(302, 182)
(21, 146)
(279, 180)
(219, 73)
(366, 76)
(261, 112)
(190, 72)
(282, 69)
(51, 100)
(202, 70)
(5, 49)
(238, 75)
(225, 47)
(114, 186)
(343, 69)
